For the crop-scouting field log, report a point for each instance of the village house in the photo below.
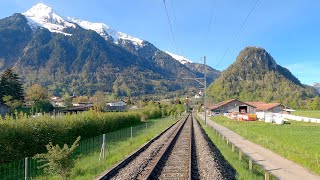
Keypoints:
(116, 106)
(4, 109)
(231, 106)
(57, 101)
(271, 107)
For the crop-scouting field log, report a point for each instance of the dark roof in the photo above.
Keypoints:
(223, 103)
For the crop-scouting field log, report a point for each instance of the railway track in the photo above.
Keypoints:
(171, 155)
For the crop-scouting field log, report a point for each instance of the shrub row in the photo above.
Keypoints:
(22, 136)
(26, 136)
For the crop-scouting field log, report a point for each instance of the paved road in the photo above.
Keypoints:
(275, 164)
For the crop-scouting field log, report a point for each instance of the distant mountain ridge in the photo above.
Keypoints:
(80, 57)
(255, 76)
(317, 86)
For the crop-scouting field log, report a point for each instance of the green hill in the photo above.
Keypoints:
(255, 76)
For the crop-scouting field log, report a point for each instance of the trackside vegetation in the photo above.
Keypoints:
(24, 136)
(88, 166)
(297, 141)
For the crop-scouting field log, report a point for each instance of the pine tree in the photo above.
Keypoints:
(10, 85)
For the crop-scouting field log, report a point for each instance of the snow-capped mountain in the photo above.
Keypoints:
(93, 56)
(105, 31)
(179, 58)
(44, 16)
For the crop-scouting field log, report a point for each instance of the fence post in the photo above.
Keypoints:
(131, 133)
(103, 147)
(146, 126)
(26, 168)
(240, 155)
(232, 147)
(267, 175)
(250, 164)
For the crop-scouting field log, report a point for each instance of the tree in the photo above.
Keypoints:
(12, 103)
(67, 100)
(36, 93)
(10, 85)
(99, 100)
(58, 160)
(43, 106)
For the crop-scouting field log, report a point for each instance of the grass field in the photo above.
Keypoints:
(307, 113)
(241, 167)
(298, 141)
(89, 166)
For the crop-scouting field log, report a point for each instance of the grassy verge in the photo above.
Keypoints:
(241, 167)
(298, 141)
(89, 166)
(307, 113)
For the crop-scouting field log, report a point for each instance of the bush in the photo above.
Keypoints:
(43, 106)
(59, 161)
(26, 136)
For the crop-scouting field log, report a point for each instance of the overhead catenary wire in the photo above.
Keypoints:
(171, 29)
(210, 24)
(177, 29)
(238, 32)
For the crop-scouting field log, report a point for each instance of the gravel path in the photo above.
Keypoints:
(211, 164)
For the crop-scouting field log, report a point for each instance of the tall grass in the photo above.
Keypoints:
(298, 141)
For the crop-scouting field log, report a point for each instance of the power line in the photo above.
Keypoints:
(240, 30)
(177, 29)
(209, 26)
(174, 39)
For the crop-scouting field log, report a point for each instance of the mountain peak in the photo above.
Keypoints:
(256, 57)
(41, 15)
(179, 58)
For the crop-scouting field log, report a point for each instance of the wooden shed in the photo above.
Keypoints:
(232, 105)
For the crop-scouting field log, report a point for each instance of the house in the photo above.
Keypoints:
(76, 109)
(231, 106)
(271, 107)
(4, 109)
(57, 101)
(117, 103)
(116, 106)
(82, 104)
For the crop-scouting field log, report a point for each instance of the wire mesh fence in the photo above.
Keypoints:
(29, 167)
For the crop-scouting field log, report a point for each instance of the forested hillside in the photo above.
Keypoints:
(255, 76)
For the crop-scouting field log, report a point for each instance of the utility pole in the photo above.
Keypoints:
(204, 83)
(205, 91)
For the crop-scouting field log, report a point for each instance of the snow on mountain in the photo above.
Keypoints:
(316, 84)
(179, 58)
(105, 31)
(44, 16)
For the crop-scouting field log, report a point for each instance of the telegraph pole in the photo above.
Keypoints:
(205, 93)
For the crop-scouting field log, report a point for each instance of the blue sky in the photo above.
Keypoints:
(287, 29)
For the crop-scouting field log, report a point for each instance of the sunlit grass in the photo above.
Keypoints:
(298, 141)
(307, 113)
(89, 166)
